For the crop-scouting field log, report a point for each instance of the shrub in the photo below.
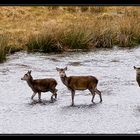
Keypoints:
(128, 32)
(77, 39)
(3, 45)
(43, 43)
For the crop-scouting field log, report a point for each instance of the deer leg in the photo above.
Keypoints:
(72, 95)
(99, 93)
(52, 99)
(93, 94)
(33, 96)
(39, 96)
(55, 93)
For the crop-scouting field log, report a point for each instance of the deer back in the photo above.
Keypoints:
(44, 84)
(82, 82)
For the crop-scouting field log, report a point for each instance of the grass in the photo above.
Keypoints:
(58, 29)
(3, 48)
(121, 31)
(43, 43)
(128, 32)
(75, 38)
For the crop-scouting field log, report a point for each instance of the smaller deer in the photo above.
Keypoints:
(137, 75)
(79, 83)
(41, 85)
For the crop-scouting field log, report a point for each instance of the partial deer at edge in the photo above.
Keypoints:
(137, 75)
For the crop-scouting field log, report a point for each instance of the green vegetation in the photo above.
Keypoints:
(3, 46)
(43, 43)
(58, 29)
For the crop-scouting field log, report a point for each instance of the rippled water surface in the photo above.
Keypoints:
(118, 113)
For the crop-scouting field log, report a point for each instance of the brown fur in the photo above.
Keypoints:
(137, 75)
(138, 79)
(41, 85)
(82, 82)
(44, 85)
(79, 83)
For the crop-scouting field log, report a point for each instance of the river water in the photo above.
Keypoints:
(119, 113)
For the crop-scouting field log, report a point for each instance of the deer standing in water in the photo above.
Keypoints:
(41, 85)
(79, 83)
(137, 75)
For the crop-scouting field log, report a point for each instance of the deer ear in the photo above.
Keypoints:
(134, 67)
(65, 68)
(29, 71)
(57, 69)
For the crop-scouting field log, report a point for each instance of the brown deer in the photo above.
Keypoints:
(137, 75)
(79, 83)
(41, 85)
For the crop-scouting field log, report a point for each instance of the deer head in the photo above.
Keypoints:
(137, 69)
(27, 76)
(61, 71)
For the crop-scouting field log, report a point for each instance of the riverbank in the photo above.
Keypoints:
(49, 29)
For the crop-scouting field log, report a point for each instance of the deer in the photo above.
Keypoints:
(137, 75)
(41, 85)
(74, 83)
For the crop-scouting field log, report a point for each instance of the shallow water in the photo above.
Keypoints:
(118, 113)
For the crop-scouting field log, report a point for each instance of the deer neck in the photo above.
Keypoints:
(65, 80)
(138, 73)
(30, 82)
